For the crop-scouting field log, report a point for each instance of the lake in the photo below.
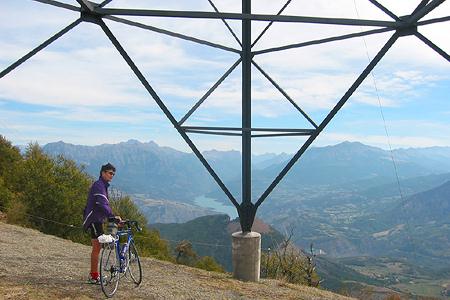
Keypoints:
(215, 205)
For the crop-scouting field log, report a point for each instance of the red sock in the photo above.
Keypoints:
(95, 275)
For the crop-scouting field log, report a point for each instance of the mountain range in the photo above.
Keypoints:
(330, 195)
(166, 173)
(373, 209)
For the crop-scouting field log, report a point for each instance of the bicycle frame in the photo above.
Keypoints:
(121, 252)
(120, 258)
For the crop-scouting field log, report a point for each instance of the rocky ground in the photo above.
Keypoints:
(38, 266)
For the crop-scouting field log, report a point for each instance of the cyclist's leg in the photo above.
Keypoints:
(96, 231)
(96, 247)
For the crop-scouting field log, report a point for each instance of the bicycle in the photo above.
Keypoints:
(119, 260)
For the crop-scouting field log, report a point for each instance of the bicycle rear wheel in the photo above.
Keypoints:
(134, 264)
(109, 270)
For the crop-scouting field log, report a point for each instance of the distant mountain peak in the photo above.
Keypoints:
(133, 142)
(358, 145)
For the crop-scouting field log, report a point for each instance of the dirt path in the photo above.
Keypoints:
(38, 266)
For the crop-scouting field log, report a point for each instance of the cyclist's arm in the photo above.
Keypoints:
(102, 204)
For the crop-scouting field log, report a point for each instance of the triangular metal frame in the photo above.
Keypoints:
(401, 26)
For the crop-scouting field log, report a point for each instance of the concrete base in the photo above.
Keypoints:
(246, 255)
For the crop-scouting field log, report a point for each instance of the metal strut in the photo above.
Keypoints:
(94, 13)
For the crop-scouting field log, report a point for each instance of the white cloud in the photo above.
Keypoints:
(82, 70)
(373, 100)
(88, 115)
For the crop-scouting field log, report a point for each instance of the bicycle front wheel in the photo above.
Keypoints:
(109, 270)
(134, 264)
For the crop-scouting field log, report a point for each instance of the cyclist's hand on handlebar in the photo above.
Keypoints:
(118, 221)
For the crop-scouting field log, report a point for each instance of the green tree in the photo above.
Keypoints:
(10, 158)
(9, 155)
(6, 195)
(54, 192)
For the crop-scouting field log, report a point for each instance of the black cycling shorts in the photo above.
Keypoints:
(96, 230)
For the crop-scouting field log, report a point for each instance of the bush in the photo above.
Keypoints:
(16, 213)
(209, 264)
(290, 264)
(185, 254)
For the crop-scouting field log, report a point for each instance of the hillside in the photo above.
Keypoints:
(417, 228)
(38, 266)
(211, 235)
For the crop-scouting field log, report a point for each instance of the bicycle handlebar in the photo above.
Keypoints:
(135, 223)
(129, 223)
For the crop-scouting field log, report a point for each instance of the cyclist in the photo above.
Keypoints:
(97, 209)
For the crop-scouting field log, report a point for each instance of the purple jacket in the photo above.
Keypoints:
(97, 207)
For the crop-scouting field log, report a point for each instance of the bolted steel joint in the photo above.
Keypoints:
(406, 27)
(411, 30)
(247, 212)
(91, 17)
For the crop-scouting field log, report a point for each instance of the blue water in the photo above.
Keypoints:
(215, 205)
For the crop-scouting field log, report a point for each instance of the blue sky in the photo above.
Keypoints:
(80, 90)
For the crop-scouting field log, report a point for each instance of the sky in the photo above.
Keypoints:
(80, 90)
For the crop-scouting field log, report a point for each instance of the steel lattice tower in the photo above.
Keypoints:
(399, 26)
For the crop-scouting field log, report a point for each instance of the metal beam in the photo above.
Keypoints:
(213, 132)
(432, 21)
(59, 4)
(238, 16)
(226, 25)
(284, 94)
(421, 5)
(330, 116)
(322, 41)
(270, 24)
(211, 128)
(246, 210)
(281, 134)
(247, 129)
(424, 11)
(206, 95)
(86, 5)
(433, 46)
(165, 110)
(104, 3)
(385, 10)
(39, 48)
(171, 33)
